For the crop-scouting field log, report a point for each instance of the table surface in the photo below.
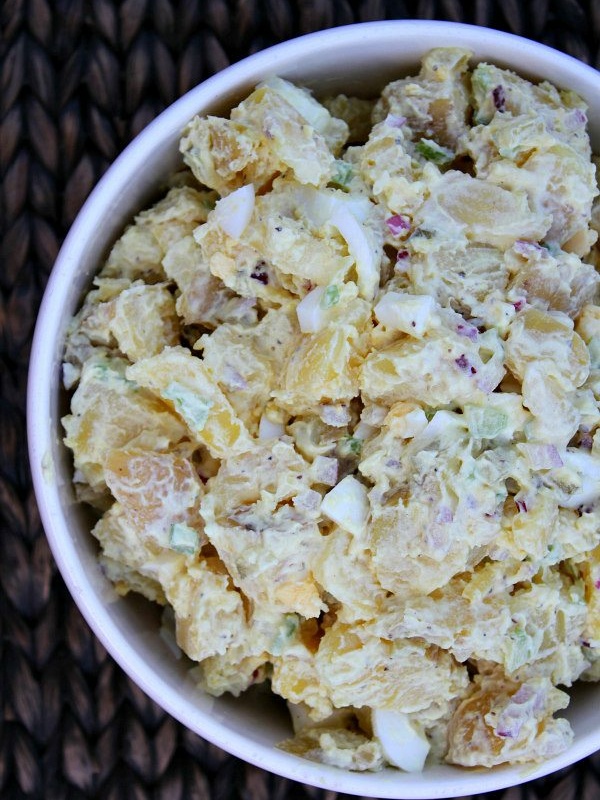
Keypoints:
(80, 78)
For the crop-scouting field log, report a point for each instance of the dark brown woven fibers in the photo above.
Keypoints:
(78, 81)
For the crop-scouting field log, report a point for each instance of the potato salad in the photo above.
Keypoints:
(334, 398)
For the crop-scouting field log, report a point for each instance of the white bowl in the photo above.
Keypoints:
(354, 59)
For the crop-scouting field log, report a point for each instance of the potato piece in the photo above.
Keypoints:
(360, 669)
(435, 102)
(147, 565)
(345, 572)
(247, 361)
(266, 535)
(266, 135)
(503, 721)
(144, 320)
(209, 613)
(560, 283)
(536, 338)
(108, 411)
(203, 299)
(323, 369)
(480, 211)
(442, 368)
(184, 384)
(157, 491)
(140, 250)
(338, 747)
(295, 678)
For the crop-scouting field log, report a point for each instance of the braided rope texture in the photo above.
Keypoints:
(79, 79)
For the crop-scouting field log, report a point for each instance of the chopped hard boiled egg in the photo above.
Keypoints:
(403, 743)
(234, 211)
(408, 313)
(348, 505)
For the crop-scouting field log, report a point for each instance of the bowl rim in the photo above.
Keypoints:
(43, 442)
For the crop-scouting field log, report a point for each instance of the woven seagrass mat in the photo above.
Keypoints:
(80, 78)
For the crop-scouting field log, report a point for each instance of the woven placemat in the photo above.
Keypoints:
(79, 79)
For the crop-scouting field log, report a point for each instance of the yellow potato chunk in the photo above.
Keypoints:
(140, 250)
(504, 721)
(536, 336)
(241, 267)
(345, 572)
(261, 516)
(360, 669)
(247, 361)
(295, 678)
(434, 103)
(157, 490)
(324, 368)
(144, 320)
(483, 212)
(266, 135)
(338, 747)
(563, 283)
(209, 613)
(441, 368)
(182, 381)
(204, 299)
(146, 565)
(109, 411)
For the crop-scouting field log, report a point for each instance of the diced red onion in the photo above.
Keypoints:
(336, 416)
(308, 500)
(325, 470)
(472, 503)
(444, 514)
(465, 329)
(525, 248)
(233, 379)
(398, 224)
(463, 363)
(543, 456)
(395, 121)
(523, 694)
(576, 119)
(499, 98)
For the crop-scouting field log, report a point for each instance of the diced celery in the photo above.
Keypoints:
(343, 174)
(594, 351)
(520, 647)
(485, 423)
(434, 152)
(287, 631)
(193, 409)
(331, 296)
(350, 445)
(183, 539)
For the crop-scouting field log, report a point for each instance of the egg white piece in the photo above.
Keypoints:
(403, 743)
(233, 212)
(348, 505)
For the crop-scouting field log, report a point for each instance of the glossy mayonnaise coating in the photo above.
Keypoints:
(335, 400)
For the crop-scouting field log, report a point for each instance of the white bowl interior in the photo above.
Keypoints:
(356, 59)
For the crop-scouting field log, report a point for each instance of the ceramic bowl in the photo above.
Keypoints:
(358, 59)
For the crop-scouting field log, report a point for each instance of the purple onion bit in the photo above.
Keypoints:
(398, 224)
(260, 273)
(463, 362)
(499, 98)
